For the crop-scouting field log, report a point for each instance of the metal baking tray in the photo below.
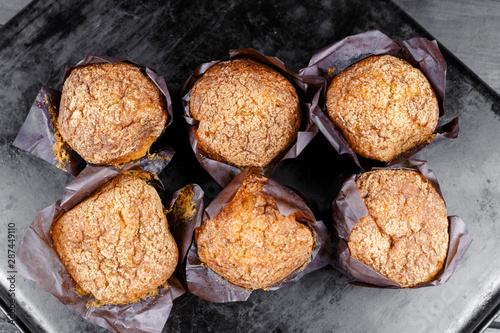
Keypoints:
(173, 38)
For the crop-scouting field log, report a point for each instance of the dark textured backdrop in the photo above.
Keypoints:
(173, 38)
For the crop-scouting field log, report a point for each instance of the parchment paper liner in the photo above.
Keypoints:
(348, 208)
(205, 283)
(223, 173)
(333, 59)
(38, 133)
(38, 261)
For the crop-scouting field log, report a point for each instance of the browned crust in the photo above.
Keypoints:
(248, 113)
(405, 234)
(383, 106)
(116, 243)
(250, 243)
(111, 114)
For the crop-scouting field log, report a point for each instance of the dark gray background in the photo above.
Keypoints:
(469, 29)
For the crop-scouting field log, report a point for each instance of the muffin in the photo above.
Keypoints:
(116, 244)
(383, 106)
(111, 113)
(250, 243)
(248, 113)
(405, 234)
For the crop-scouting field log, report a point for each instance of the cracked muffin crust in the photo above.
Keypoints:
(248, 113)
(116, 244)
(383, 106)
(405, 234)
(250, 243)
(111, 114)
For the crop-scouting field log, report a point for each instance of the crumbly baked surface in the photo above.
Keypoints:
(405, 234)
(111, 114)
(250, 243)
(116, 243)
(383, 106)
(248, 113)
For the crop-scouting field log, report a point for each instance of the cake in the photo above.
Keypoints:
(405, 234)
(116, 243)
(250, 243)
(248, 113)
(111, 113)
(383, 106)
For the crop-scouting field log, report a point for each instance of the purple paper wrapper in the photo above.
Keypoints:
(39, 134)
(39, 262)
(223, 173)
(348, 208)
(205, 283)
(333, 59)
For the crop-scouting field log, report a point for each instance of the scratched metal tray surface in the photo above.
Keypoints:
(173, 38)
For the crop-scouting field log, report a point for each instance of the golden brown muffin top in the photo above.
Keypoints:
(116, 243)
(405, 234)
(383, 106)
(111, 114)
(250, 243)
(248, 113)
